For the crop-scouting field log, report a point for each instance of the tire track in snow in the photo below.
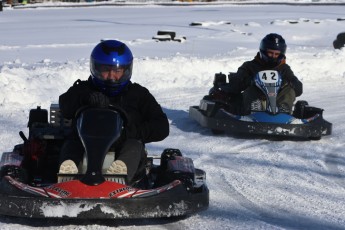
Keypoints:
(333, 162)
(278, 218)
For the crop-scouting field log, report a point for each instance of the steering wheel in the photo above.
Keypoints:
(113, 107)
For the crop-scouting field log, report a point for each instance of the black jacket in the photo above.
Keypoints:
(151, 123)
(245, 75)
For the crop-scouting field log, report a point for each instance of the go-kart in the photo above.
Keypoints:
(303, 122)
(30, 184)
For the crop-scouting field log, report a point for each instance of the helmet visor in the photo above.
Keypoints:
(111, 73)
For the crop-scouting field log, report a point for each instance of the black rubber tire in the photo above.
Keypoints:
(217, 131)
(337, 44)
(299, 109)
(315, 138)
(341, 37)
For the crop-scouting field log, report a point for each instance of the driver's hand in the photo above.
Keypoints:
(97, 99)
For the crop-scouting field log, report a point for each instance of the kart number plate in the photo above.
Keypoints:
(268, 76)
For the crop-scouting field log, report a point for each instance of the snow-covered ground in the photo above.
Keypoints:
(254, 183)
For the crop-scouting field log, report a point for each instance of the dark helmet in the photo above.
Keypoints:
(273, 42)
(111, 54)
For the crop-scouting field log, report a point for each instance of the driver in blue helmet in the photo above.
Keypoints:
(111, 65)
(271, 56)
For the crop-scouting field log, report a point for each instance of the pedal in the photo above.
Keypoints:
(121, 179)
(67, 177)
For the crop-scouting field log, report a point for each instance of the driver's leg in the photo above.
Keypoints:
(252, 99)
(286, 98)
(131, 153)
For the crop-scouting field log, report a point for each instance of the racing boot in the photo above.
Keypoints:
(67, 167)
(117, 167)
(284, 108)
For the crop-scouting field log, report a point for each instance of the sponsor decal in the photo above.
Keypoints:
(121, 190)
(60, 191)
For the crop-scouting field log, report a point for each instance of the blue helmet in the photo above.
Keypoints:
(111, 54)
(273, 42)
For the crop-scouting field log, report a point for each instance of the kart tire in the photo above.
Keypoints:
(315, 138)
(217, 131)
(337, 44)
(341, 37)
(299, 109)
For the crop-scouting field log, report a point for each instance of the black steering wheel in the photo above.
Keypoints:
(112, 107)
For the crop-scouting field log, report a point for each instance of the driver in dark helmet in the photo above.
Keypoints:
(111, 64)
(271, 56)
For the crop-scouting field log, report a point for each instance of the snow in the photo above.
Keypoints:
(63, 209)
(255, 183)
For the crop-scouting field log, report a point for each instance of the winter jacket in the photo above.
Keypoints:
(145, 114)
(246, 73)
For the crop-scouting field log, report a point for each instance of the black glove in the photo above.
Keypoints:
(97, 99)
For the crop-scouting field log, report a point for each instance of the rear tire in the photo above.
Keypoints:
(299, 109)
(217, 131)
(315, 138)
